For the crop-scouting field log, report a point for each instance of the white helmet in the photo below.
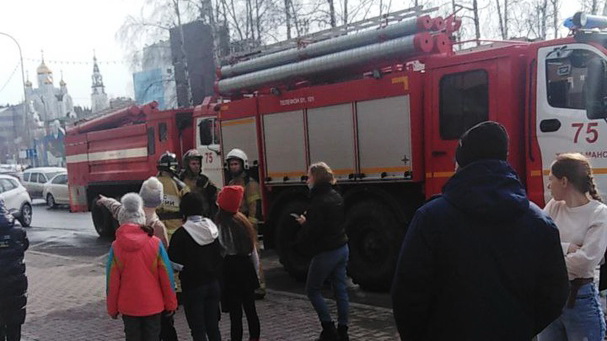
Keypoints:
(240, 155)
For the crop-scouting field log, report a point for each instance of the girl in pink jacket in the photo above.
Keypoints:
(140, 282)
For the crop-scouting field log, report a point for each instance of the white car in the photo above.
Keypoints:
(16, 199)
(35, 178)
(56, 192)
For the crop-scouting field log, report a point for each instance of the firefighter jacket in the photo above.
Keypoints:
(251, 203)
(168, 211)
(201, 184)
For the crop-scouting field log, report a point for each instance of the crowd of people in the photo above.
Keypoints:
(480, 261)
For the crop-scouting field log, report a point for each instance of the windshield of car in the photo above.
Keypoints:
(52, 175)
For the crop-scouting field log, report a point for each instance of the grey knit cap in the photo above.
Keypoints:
(131, 210)
(151, 192)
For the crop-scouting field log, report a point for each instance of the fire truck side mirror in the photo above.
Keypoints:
(596, 89)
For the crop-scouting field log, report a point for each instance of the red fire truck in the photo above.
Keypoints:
(385, 115)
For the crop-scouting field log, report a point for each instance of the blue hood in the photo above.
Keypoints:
(488, 190)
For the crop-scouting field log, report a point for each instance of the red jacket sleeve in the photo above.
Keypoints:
(167, 282)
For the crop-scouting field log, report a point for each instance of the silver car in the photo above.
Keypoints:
(35, 178)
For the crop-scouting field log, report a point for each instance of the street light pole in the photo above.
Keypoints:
(25, 127)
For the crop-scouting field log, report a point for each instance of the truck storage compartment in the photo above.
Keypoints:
(384, 138)
(242, 134)
(331, 138)
(284, 140)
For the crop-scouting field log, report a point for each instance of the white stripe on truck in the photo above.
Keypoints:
(108, 155)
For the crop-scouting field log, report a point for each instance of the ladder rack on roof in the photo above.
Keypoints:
(374, 22)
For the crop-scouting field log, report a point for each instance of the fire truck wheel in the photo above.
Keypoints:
(286, 231)
(374, 240)
(103, 221)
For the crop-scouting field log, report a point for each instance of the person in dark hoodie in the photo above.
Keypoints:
(13, 282)
(480, 261)
(323, 237)
(197, 251)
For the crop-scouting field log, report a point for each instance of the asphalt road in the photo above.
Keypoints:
(59, 232)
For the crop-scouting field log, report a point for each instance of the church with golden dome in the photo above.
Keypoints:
(47, 103)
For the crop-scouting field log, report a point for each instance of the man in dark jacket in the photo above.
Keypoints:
(13, 282)
(479, 262)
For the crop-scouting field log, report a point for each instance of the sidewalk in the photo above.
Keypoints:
(67, 302)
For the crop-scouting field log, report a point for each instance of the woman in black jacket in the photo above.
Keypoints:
(323, 237)
(13, 282)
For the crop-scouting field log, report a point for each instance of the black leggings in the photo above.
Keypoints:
(237, 304)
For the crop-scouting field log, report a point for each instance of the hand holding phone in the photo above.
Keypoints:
(295, 215)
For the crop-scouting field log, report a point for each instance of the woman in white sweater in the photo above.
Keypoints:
(581, 218)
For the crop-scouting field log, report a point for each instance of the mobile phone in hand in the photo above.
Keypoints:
(295, 215)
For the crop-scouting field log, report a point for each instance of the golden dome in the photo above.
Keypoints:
(43, 69)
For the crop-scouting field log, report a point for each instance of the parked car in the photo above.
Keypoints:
(55, 191)
(12, 169)
(16, 199)
(35, 178)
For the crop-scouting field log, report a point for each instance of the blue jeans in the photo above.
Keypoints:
(329, 265)
(583, 322)
(201, 307)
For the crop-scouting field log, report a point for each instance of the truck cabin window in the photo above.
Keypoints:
(566, 79)
(463, 103)
(209, 132)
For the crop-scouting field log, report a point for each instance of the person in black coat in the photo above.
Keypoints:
(480, 261)
(195, 249)
(323, 237)
(13, 282)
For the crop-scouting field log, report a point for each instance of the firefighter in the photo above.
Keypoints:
(238, 166)
(168, 212)
(193, 177)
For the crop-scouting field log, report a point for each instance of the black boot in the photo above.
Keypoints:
(329, 333)
(342, 333)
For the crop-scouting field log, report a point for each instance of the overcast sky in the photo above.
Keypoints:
(68, 31)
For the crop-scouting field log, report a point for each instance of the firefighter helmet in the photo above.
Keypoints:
(168, 163)
(191, 154)
(240, 155)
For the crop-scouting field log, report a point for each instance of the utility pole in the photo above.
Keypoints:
(25, 120)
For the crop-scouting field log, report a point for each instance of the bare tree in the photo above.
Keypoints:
(502, 12)
(332, 19)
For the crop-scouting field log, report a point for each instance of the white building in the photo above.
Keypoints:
(99, 99)
(46, 102)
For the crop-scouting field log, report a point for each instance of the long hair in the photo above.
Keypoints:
(578, 171)
(147, 229)
(224, 217)
(322, 173)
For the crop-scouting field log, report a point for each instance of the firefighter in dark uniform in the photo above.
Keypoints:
(193, 177)
(238, 165)
(168, 212)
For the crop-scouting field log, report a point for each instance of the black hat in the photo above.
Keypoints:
(486, 140)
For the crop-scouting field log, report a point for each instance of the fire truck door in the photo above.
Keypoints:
(461, 96)
(565, 78)
(207, 143)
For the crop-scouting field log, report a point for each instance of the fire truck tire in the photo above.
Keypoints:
(374, 241)
(286, 231)
(102, 220)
